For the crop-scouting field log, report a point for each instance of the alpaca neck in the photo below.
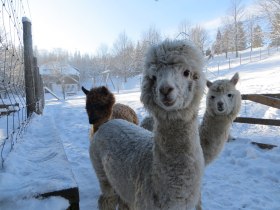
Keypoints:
(175, 134)
(214, 131)
(177, 157)
(100, 122)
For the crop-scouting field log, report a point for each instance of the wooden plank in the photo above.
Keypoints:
(262, 99)
(52, 93)
(257, 121)
(7, 108)
(263, 146)
(277, 95)
(72, 195)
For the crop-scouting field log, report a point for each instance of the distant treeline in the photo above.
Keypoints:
(240, 30)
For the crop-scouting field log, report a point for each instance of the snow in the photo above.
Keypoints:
(242, 177)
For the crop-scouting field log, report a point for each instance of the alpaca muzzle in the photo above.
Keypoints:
(220, 106)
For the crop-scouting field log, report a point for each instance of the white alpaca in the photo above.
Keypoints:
(223, 105)
(147, 123)
(163, 170)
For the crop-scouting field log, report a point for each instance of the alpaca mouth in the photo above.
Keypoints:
(168, 102)
(220, 109)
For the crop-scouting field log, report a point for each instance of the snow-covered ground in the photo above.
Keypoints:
(243, 176)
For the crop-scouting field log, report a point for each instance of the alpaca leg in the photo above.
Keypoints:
(122, 205)
(109, 199)
(199, 204)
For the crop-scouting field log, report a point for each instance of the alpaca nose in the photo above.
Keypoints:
(166, 90)
(220, 104)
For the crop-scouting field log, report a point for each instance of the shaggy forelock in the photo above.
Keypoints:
(174, 52)
(222, 86)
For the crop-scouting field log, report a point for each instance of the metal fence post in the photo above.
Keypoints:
(28, 67)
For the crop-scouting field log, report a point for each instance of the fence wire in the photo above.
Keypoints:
(13, 117)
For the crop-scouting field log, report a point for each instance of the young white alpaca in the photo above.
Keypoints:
(163, 170)
(223, 105)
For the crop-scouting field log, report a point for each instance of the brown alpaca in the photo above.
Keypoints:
(101, 107)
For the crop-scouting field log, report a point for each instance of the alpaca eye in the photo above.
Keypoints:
(154, 78)
(186, 73)
(229, 95)
(195, 76)
(212, 97)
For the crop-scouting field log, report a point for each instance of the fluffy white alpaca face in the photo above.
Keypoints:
(222, 96)
(173, 87)
(173, 79)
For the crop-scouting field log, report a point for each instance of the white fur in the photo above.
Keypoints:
(223, 105)
(163, 169)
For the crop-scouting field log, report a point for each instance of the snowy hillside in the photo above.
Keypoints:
(243, 177)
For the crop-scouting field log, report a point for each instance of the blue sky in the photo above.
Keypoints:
(86, 24)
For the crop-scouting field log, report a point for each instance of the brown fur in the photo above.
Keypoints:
(121, 111)
(101, 107)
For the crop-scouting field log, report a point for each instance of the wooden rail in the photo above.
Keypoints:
(6, 109)
(268, 99)
(272, 100)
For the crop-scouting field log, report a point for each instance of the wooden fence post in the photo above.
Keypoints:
(28, 67)
(38, 89)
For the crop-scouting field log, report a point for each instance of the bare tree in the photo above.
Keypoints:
(251, 23)
(184, 29)
(123, 55)
(152, 35)
(103, 58)
(200, 37)
(236, 12)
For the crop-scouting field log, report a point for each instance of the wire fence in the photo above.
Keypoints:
(15, 112)
(217, 64)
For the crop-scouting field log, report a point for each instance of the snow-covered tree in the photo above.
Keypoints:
(257, 37)
(241, 37)
(218, 45)
(275, 30)
(271, 9)
(227, 39)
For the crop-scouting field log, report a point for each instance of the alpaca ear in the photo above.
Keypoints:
(104, 90)
(209, 84)
(85, 90)
(235, 78)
